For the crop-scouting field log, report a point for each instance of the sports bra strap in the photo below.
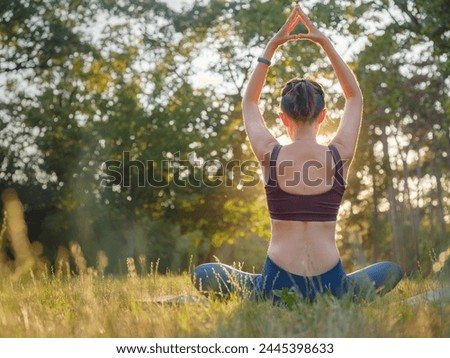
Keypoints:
(273, 164)
(339, 174)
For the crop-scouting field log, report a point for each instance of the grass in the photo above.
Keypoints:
(90, 306)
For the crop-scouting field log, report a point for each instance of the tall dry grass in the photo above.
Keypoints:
(14, 235)
(90, 305)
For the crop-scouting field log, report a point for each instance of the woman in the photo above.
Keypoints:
(305, 182)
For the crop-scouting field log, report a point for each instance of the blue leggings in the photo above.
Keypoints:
(366, 283)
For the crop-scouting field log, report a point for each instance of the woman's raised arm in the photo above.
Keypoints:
(348, 131)
(347, 135)
(261, 140)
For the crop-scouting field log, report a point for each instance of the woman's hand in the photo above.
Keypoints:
(313, 34)
(284, 34)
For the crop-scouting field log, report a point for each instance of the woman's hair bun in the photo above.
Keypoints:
(302, 100)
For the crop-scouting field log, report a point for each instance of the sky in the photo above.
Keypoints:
(176, 4)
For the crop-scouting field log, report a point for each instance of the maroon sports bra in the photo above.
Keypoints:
(296, 207)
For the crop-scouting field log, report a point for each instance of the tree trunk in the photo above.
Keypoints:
(375, 224)
(440, 206)
(436, 171)
(415, 221)
(397, 242)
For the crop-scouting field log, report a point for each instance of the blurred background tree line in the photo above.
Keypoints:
(88, 81)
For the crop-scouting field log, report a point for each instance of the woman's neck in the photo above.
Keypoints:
(303, 132)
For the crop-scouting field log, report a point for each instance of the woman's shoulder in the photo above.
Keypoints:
(271, 148)
(345, 152)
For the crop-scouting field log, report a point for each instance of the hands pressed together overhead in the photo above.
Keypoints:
(284, 34)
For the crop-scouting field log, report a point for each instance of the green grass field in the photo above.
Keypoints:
(90, 306)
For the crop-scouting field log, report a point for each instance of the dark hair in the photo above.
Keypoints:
(302, 100)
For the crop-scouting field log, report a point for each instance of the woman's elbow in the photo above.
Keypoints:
(355, 100)
(357, 95)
